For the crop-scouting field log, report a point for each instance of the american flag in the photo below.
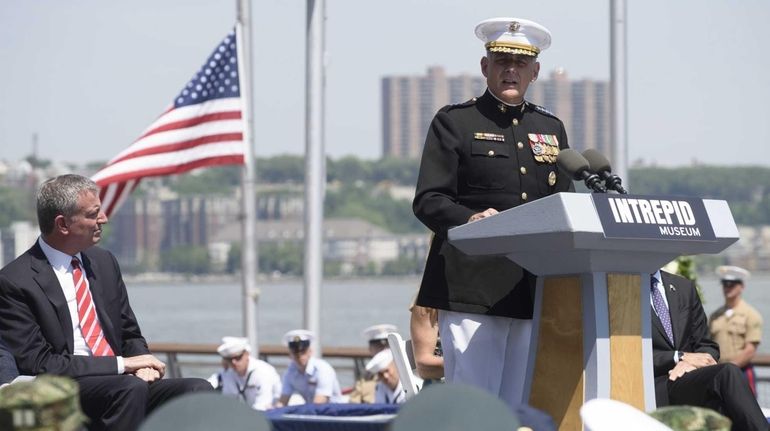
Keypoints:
(202, 127)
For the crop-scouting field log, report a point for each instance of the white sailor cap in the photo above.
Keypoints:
(298, 339)
(732, 273)
(380, 361)
(233, 346)
(513, 36)
(379, 332)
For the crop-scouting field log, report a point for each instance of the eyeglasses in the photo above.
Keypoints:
(298, 350)
(236, 358)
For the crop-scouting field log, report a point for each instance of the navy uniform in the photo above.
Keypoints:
(486, 154)
(248, 379)
(318, 377)
(388, 389)
(365, 387)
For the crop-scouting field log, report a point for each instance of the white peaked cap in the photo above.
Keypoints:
(732, 273)
(233, 346)
(380, 361)
(513, 36)
(379, 332)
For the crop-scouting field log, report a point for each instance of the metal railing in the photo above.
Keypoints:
(185, 356)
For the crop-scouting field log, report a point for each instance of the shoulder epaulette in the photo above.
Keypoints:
(465, 104)
(542, 110)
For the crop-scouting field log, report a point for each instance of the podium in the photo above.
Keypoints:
(593, 255)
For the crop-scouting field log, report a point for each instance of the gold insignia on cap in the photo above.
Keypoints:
(296, 339)
(551, 178)
(514, 26)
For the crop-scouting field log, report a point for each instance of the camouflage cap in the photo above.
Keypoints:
(690, 418)
(47, 403)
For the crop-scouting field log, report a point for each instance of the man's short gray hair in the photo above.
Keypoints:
(60, 195)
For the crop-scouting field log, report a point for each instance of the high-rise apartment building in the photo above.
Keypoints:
(409, 103)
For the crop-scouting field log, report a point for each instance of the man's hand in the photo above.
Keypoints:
(689, 362)
(478, 216)
(133, 364)
(698, 360)
(149, 375)
(680, 369)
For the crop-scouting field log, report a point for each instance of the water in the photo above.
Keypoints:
(203, 313)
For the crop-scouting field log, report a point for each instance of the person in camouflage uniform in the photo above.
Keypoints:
(690, 418)
(46, 403)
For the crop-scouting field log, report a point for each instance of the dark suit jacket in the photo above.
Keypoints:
(8, 370)
(690, 328)
(35, 321)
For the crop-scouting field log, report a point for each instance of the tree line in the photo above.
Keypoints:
(746, 189)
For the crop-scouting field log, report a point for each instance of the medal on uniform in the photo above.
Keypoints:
(545, 148)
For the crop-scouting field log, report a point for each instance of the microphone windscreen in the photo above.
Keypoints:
(571, 162)
(597, 161)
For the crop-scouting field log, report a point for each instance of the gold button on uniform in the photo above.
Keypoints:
(520, 145)
(523, 170)
(515, 121)
(490, 153)
(523, 196)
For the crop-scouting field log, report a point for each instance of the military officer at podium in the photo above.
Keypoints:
(483, 156)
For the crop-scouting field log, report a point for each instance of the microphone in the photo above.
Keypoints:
(601, 166)
(571, 162)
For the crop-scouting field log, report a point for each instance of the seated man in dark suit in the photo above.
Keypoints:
(64, 310)
(8, 370)
(685, 358)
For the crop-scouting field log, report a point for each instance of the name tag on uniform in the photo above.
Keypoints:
(483, 136)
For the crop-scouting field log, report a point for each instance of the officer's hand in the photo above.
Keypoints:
(679, 370)
(698, 360)
(478, 216)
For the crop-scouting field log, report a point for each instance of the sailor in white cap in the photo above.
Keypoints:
(377, 336)
(312, 378)
(486, 155)
(736, 326)
(253, 381)
(388, 389)
(377, 339)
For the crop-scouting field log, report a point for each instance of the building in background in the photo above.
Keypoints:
(410, 102)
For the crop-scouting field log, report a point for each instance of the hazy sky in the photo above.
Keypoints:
(88, 76)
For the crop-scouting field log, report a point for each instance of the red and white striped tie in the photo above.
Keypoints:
(89, 323)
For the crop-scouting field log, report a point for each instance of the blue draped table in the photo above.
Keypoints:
(333, 417)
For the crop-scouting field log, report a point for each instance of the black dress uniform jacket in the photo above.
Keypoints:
(482, 154)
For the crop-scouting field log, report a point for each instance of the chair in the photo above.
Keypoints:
(403, 355)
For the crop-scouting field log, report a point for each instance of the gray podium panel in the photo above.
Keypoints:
(562, 234)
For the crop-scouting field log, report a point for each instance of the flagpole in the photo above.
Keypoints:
(248, 198)
(315, 172)
(619, 89)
